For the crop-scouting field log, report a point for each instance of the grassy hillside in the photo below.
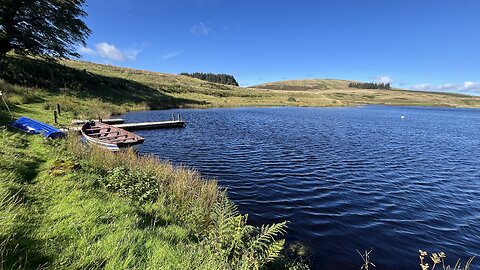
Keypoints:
(87, 90)
(338, 92)
(305, 85)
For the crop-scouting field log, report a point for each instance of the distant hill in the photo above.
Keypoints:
(88, 90)
(339, 92)
(303, 85)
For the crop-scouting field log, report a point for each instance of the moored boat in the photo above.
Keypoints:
(108, 136)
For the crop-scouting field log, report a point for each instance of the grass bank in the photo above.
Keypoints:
(64, 205)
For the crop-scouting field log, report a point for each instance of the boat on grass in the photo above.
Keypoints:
(36, 127)
(108, 136)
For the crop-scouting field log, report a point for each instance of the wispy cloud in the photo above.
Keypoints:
(384, 79)
(132, 53)
(86, 51)
(471, 86)
(467, 87)
(422, 87)
(110, 52)
(201, 30)
(171, 55)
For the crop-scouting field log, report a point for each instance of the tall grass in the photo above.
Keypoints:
(197, 203)
(67, 205)
(183, 191)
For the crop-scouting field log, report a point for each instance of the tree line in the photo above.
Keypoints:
(384, 86)
(216, 78)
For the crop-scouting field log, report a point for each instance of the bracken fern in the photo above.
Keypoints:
(238, 244)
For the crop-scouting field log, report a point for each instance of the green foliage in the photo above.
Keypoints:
(238, 244)
(216, 78)
(50, 28)
(385, 86)
(137, 185)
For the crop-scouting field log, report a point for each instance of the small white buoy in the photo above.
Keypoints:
(403, 117)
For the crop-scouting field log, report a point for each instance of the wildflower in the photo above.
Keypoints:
(424, 266)
(435, 258)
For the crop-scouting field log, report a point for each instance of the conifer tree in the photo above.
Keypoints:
(49, 28)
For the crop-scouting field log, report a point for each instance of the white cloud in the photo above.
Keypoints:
(201, 30)
(422, 87)
(109, 51)
(384, 79)
(171, 55)
(466, 87)
(448, 87)
(86, 51)
(132, 53)
(475, 86)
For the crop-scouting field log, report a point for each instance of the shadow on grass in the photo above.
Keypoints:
(5, 117)
(149, 221)
(57, 78)
(27, 168)
(21, 252)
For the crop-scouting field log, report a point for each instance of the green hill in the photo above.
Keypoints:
(305, 85)
(338, 92)
(89, 90)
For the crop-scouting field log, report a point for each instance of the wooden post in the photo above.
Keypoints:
(178, 117)
(58, 110)
(55, 117)
(173, 117)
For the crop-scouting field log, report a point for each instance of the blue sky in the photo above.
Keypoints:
(417, 44)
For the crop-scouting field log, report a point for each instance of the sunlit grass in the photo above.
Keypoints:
(67, 205)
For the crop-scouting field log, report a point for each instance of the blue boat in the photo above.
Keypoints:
(35, 127)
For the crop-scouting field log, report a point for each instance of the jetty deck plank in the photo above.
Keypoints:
(111, 121)
(140, 126)
(152, 125)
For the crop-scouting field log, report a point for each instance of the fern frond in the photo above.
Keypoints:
(273, 251)
(267, 235)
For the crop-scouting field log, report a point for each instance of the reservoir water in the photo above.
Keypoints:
(391, 179)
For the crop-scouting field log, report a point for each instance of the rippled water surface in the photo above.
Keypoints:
(346, 178)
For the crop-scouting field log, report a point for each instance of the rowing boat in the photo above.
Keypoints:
(108, 136)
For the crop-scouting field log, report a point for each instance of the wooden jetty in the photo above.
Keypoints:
(152, 125)
(111, 121)
(141, 126)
